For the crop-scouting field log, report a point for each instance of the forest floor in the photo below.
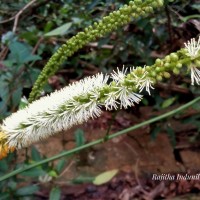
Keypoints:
(137, 157)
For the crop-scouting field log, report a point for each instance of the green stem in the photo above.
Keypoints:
(77, 149)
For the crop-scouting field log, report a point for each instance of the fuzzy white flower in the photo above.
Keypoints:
(127, 98)
(195, 75)
(145, 83)
(119, 75)
(137, 80)
(193, 47)
(111, 101)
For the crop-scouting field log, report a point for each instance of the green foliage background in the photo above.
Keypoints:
(45, 26)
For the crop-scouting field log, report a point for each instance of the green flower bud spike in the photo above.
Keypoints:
(109, 23)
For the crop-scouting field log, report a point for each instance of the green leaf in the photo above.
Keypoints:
(3, 166)
(35, 172)
(83, 179)
(12, 185)
(145, 101)
(5, 196)
(55, 194)
(32, 58)
(168, 102)
(196, 106)
(196, 6)
(27, 190)
(30, 77)
(60, 165)
(79, 137)
(105, 177)
(93, 4)
(8, 63)
(16, 96)
(21, 53)
(60, 30)
(23, 103)
(8, 37)
(35, 154)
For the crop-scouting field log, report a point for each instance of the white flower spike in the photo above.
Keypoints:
(69, 106)
(54, 113)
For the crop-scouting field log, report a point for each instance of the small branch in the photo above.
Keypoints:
(137, 178)
(4, 52)
(173, 87)
(176, 13)
(37, 45)
(19, 13)
(16, 17)
(169, 24)
(67, 168)
(7, 20)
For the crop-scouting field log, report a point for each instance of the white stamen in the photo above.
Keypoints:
(119, 75)
(193, 47)
(195, 75)
(147, 84)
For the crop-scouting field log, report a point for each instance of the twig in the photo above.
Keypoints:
(137, 178)
(110, 125)
(173, 87)
(4, 52)
(16, 17)
(37, 45)
(19, 13)
(131, 148)
(155, 192)
(67, 168)
(169, 24)
(176, 13)
(7, 20)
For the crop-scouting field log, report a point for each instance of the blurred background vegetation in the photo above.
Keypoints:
(45, 25)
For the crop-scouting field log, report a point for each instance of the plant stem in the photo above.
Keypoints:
(77, 149)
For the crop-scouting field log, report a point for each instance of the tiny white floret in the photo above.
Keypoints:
(195, 75)
(193, 47)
